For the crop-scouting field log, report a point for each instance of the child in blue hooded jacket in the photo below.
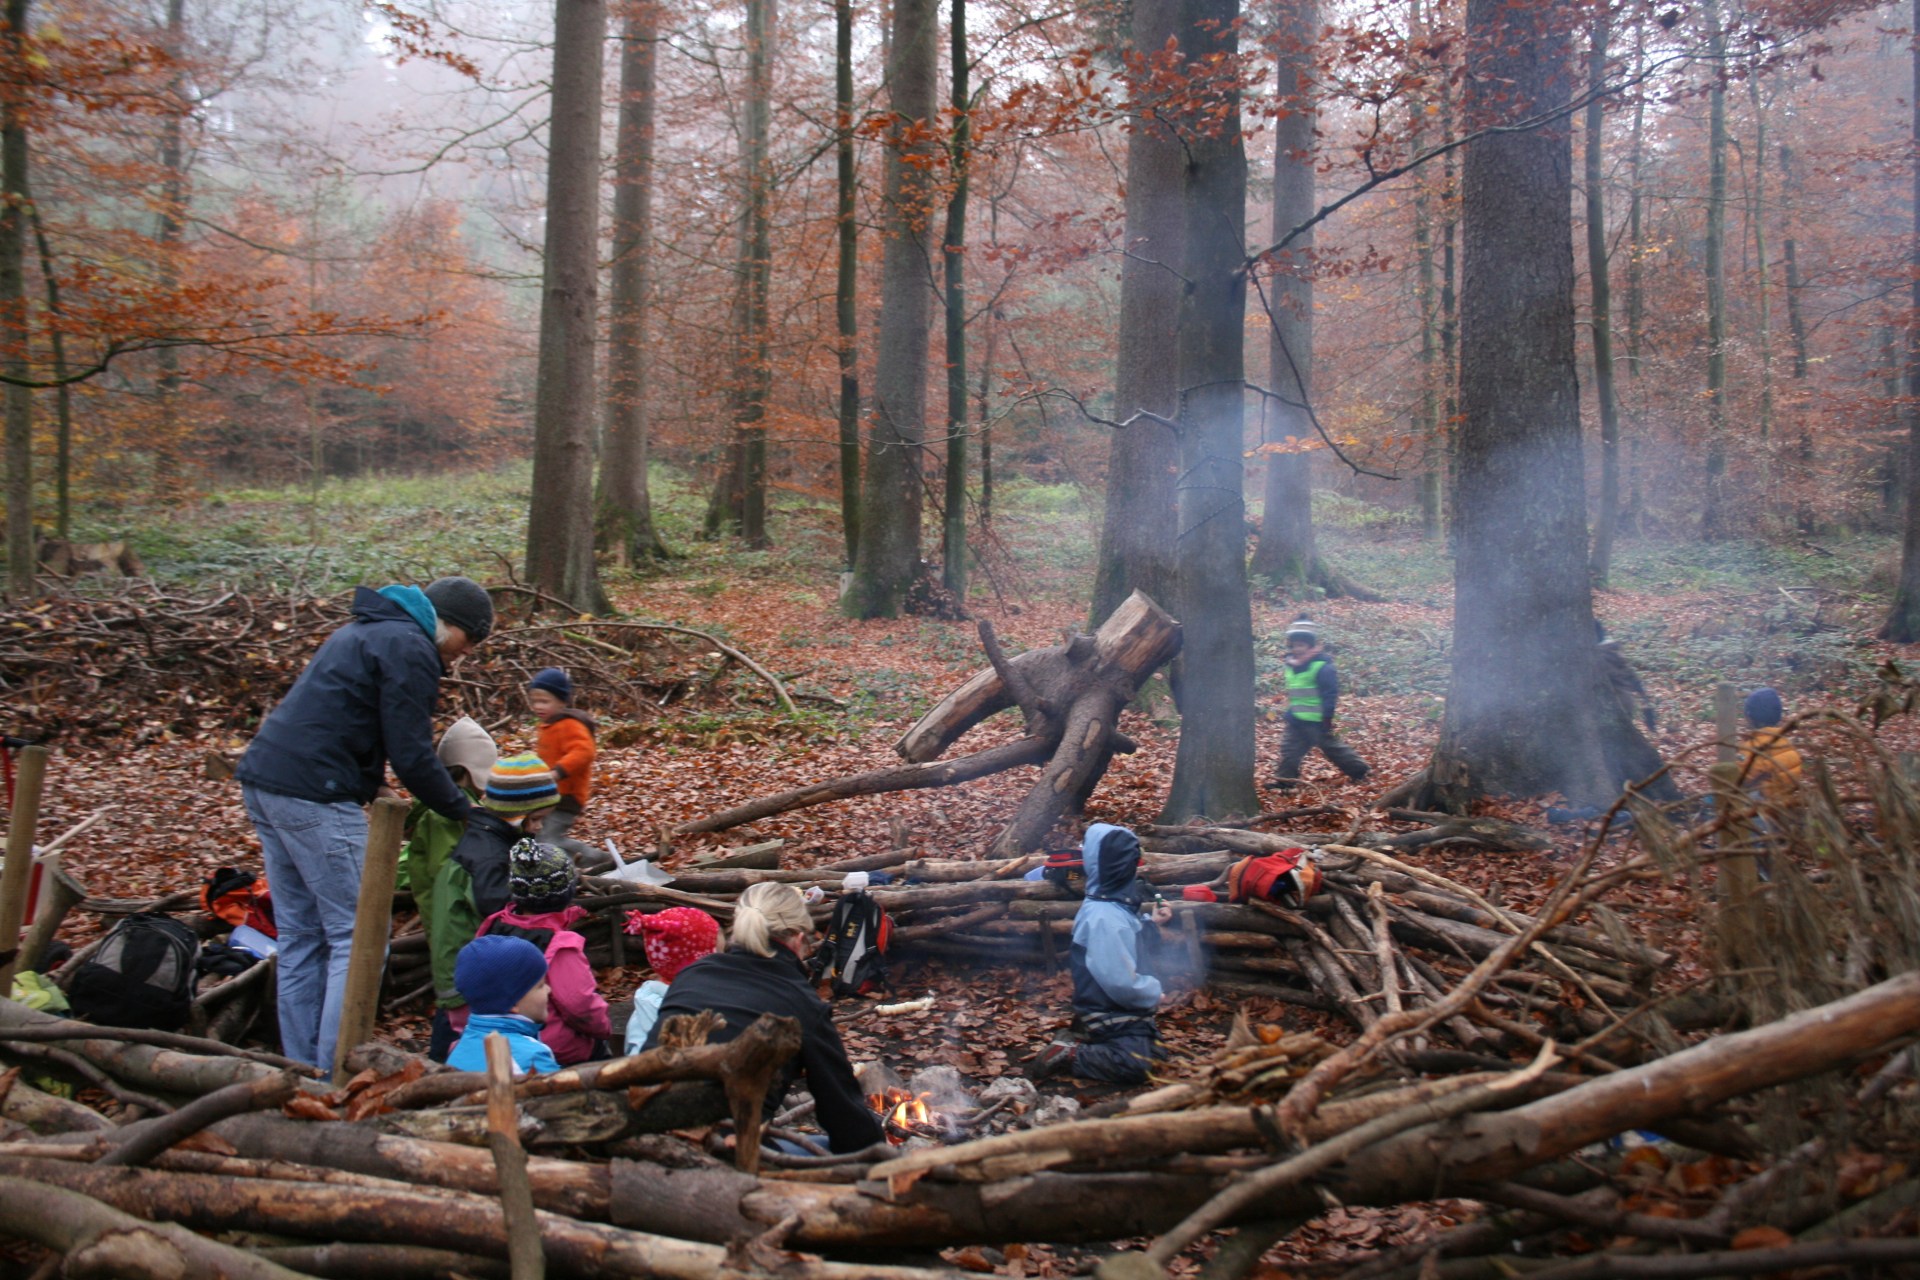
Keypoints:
(1113, 998)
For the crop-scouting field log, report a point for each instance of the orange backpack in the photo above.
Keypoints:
(1275, 877)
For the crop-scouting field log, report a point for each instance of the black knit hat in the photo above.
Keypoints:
(540, 876)
(463, 603)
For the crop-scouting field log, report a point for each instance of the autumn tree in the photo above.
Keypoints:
(846, 288)
(953, 245)
(1285, 553)
(1903, 620)
(888, 557)
(1599, 281)
(560, 517)
(624, 501)
(1137, 526)
(1528, 709)
(14, 320)
(1213, 767)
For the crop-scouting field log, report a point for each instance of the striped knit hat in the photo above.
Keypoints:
(521, 784)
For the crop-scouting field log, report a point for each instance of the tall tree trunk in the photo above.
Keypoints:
(13, 312)
(1213, 766)
(846, 292)
(1903, 620)
(1527, 711)
(169, 222)
(740, 498)
(888, 558)
(625, 502)
(1761, 269)
(63, 394)
(1138, 523)
(1805, 516)
(1600, 283)
(985, 411)
(953, 541)
(1285, 553)
(560, 516)
(1714, 520)
(1629, 516)
(1449, 305)
(1426, 428)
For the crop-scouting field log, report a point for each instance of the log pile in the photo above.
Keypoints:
(328, 1183)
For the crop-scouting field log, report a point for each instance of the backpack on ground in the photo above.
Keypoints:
(854, 955)
(142, 976)
(1286, 876)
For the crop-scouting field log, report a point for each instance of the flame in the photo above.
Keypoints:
(901, 1109)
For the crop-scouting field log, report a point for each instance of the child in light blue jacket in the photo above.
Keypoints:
(1113, 997)
(504, 981)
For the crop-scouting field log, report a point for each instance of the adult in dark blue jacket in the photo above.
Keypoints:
(365, 700)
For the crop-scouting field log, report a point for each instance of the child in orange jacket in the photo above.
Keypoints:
(565, 744)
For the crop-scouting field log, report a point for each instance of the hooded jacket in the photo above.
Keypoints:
(1105, 958)
(576, 1011)
(365, 700)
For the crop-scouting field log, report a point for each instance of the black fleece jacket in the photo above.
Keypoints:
(740, 986)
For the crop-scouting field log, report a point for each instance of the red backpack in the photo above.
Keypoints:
(1286, 876)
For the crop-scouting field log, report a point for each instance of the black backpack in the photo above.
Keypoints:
(854, 955)
(142, 975)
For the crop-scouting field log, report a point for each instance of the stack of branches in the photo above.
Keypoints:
(137, 659)
(390, 1173)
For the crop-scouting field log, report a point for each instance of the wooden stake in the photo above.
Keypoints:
(371, 921)
(516, 1189)
(15, 877)
(59, 894)
(1726, 722)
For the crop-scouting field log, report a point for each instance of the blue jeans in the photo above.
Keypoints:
(314, 853)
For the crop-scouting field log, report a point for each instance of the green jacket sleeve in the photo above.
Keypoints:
(454, 923)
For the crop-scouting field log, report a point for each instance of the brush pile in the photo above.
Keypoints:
(135, 661)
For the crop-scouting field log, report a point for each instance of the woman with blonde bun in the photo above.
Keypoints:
(763, 971)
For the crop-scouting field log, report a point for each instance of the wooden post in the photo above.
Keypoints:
(1726, 721)
(371, 921)
(59, 894)
(524, 1253)
(19, 865)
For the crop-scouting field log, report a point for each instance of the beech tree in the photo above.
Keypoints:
(14, 323)
(1137, 526)
(1903, 621)
(1285, 552)
(560, 517)
(1213, 768)
(1528, 708)
(624, 503)
(888, 557)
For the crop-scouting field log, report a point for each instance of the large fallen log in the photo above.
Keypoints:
(393, 1211)
(1071, 695)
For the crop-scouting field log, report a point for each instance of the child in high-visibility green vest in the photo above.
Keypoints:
(1313, 694)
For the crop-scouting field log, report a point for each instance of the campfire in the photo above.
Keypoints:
(905, 1114)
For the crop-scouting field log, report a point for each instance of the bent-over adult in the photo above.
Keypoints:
(365, 700)
(762, 972)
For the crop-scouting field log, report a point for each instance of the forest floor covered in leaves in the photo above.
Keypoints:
(1798, 617)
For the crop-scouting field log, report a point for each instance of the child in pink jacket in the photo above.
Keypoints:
(542, 880)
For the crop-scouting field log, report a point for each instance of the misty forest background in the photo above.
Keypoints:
(1540, 311)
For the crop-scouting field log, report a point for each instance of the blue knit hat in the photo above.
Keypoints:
(494, 972)
(1764, 708)
(554, 681)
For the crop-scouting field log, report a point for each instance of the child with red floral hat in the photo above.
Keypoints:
(673, 939)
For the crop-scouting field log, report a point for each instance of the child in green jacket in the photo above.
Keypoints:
(469, 753)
